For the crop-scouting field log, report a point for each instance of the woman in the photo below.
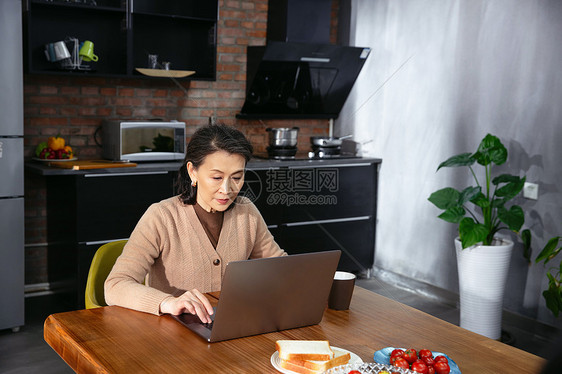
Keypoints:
(181, 245)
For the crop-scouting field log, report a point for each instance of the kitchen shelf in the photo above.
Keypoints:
(188, 8)
(151, 35)
(163, 15)
(63, 4)
(124, 33)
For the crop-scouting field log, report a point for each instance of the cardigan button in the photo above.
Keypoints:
(216, 262)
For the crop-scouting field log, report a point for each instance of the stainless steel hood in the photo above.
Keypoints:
(298, 74)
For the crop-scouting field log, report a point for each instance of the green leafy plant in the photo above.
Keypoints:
(488, 198)
(553, 295)
(481, 211)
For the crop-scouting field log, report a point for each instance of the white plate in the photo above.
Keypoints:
(165, 73)
(275, 360)
(54, 159)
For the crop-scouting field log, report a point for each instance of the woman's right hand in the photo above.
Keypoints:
(193, 302)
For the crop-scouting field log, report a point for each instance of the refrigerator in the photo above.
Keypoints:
(11, 167)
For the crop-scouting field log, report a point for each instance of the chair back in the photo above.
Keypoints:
(102, 263)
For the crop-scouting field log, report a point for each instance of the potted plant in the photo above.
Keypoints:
(483, 257)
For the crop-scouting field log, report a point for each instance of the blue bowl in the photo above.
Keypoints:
(383, 357)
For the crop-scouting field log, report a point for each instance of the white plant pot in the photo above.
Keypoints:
(482, 277)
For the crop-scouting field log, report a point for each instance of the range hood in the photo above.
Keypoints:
(299, 75)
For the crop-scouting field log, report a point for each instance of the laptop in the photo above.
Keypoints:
(269, 294)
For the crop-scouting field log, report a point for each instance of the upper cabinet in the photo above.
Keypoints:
(122, 35)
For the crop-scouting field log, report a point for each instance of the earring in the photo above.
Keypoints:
(194, 184)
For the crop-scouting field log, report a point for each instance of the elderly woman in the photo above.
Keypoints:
(181, 245)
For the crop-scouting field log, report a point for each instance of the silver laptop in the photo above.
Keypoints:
(269, 294)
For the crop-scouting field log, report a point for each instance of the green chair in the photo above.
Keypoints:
(102, 263)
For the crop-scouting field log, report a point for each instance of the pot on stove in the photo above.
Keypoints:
(326, 141)
(283, 137)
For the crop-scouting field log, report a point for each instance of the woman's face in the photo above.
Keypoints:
(219, 179)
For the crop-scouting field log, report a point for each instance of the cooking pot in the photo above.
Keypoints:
(283, 136)
(326, 141)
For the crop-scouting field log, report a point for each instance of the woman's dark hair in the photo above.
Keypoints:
(205, 141)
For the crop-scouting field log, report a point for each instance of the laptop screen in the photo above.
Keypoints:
(272, 294)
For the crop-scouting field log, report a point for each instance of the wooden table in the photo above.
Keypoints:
(118, 340)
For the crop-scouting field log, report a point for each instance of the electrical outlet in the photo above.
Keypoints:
(531, 191)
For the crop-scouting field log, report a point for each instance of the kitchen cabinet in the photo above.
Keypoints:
(308, 206)
(124, 33)
(89, 209)
(320, 206)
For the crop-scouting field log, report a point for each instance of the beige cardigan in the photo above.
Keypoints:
(170, 245)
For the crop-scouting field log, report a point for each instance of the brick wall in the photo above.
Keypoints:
(74, 106)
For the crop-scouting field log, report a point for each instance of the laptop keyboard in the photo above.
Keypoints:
(210, 324)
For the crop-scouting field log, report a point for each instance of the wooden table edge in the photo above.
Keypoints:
(61, 342)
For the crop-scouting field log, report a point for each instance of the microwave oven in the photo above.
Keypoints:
(143, 140)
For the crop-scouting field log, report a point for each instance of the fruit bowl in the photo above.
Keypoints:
(54, 148)
(383, 357)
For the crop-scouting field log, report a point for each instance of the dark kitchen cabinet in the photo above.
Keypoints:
(354, 237)
(308, 206)
(124, 33)
(315, 207)
(87, 210)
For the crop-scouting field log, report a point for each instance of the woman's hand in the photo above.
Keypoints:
(193, 302)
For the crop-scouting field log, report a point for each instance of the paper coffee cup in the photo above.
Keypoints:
(342, 290)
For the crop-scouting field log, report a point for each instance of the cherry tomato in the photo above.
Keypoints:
(441, 359)
(419, 366)
(441, 367)
(401, 363)
(430, 369)
(397, 353)
(429, 361)
(354, 372)
(425, 353)
(411, 355)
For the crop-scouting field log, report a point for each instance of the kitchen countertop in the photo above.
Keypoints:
(148, 167)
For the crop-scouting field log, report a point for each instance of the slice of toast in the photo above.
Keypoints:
(340, 358)
(304, 350)
(289, 365)
(313, 366)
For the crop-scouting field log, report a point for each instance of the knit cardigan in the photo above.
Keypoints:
(170, 251)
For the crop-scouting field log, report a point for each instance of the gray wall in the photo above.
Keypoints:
(441, 75)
